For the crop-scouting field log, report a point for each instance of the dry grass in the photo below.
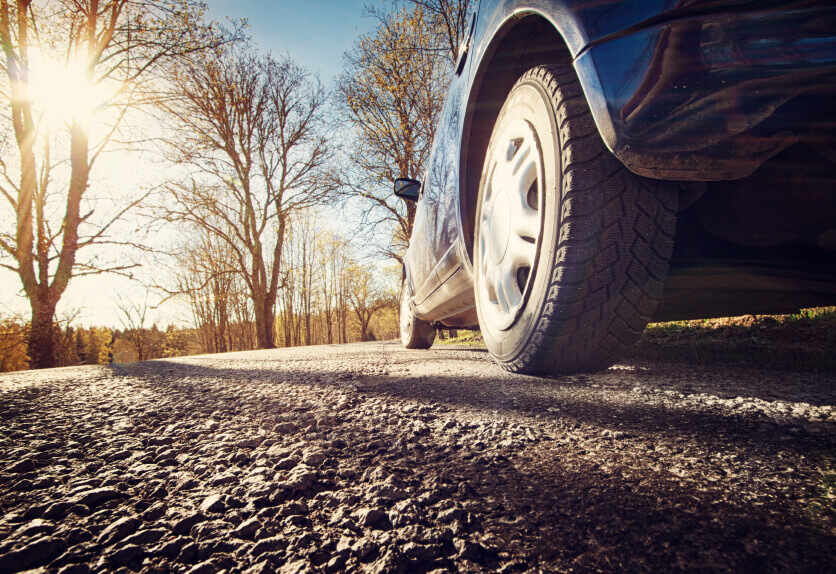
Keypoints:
(465, 338)
(803, 341)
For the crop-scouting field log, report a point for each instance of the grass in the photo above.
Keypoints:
(803, 341)
(463, 337)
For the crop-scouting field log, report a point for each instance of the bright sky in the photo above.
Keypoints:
(315, 33)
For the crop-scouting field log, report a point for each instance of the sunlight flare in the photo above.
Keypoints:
(61, 91)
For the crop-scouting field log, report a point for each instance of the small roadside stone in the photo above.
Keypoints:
(188, 553)
(422, 552)
(314, 458)
(250, 442)
(122, 556)
(75, 569)
(285, 427)
(171, 548)
(212, 503)
(247, 529)
(287, 463)
(450, 515)
(21, 466)
(36, 553)
(474, 551)
(263, 567)
(118, 530)
(370, 517)
(57, 510)
(96, 496)
(207, 567)
(208, 529)
(295, 567)
(272, 544)
(154, 512)
(184, 524)
(144, 537)
(36, 526)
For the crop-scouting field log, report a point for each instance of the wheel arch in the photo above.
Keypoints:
(524, 40)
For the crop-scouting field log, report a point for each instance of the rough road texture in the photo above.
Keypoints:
(370, 458)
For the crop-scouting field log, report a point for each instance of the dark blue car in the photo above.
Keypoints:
(601, 164)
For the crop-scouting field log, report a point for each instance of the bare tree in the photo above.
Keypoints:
(333, 260)
(107, 54)
(204, 275)
(146, 342)
(366, 298)
(450, 19)
(252, 130)
(391, 94)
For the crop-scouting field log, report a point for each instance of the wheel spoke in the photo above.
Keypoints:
(499, 165)
(485, 240)
(525, 220)
(491, 280)
(521, 157)
(521, 252)
(509, 287)
(503, 293)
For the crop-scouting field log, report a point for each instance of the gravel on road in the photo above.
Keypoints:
(371, 458)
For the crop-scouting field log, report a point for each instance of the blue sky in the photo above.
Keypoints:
(315, 33)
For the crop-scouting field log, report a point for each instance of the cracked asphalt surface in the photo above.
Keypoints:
(371, 458)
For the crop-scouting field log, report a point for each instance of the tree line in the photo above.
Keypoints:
(262, 152)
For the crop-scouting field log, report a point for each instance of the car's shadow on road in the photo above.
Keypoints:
(578, 399)
(564, 508)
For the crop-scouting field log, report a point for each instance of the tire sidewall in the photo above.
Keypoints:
(529, 101)
(406, 334)
(420, 334)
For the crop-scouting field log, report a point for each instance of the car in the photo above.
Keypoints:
(602, 164)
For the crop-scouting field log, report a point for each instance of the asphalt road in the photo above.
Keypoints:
(371, 458)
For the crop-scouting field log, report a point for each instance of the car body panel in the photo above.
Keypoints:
(712, 97)
(715, 117)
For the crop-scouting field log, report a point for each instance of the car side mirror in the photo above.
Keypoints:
(407, 189)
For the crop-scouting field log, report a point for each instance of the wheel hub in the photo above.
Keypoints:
(499, 227)
(510, 223)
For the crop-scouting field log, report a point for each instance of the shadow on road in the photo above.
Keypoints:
(579, 399)
(552, 505)
(560, 506)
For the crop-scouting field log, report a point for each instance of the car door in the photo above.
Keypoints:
(435, 229)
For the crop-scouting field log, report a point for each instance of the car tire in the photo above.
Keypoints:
(415, 333)
(571, 249)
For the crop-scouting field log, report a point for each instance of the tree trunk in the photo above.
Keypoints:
(364, 318)
(264, 321)
(343, 330)
(42, 335)
(328, 323)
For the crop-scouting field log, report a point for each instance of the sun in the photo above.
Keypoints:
(61, 91)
